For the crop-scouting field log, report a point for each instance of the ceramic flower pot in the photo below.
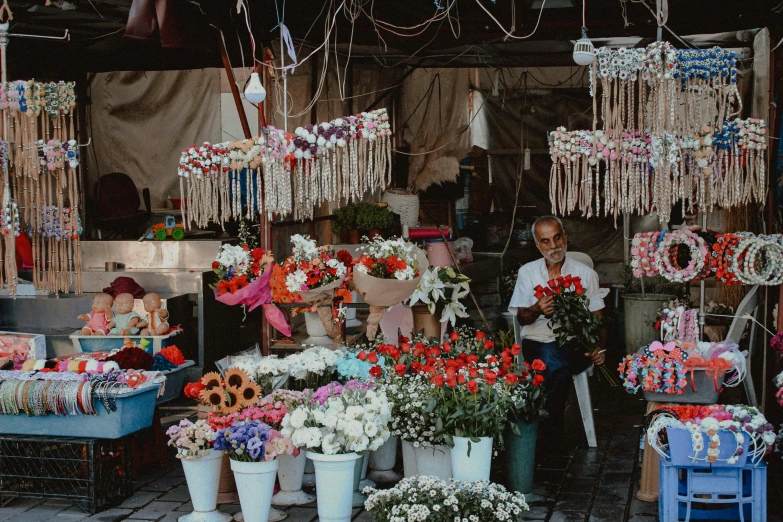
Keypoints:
(290, 474)
(473, 466)
(227, 489)
(334, 481)
(354, 237)
(520, 457)
(255, 484)
(365, 482)
(382, 463)
(203, 476)
(358, 498)
(409, 463)
(434, 461)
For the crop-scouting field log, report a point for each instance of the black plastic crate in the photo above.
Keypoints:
(94, 473)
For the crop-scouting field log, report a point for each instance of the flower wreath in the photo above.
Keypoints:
(708, 426)
(643, 247)
(667, 263)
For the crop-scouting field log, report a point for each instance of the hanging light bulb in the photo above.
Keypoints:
(255, 92)
(584, 52)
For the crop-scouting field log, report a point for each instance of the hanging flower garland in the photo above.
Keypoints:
(341, 159)
(670, 264)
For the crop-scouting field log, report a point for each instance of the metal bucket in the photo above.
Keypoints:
(640, 317)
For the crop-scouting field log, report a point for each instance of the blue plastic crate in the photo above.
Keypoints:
(727, 493)
(107, 343)
(175, 382)
(134, 412)
(681, 449)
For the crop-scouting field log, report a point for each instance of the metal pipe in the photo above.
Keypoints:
(285, 80)
(234, 89)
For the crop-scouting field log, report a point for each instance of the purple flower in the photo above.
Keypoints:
(255, 448)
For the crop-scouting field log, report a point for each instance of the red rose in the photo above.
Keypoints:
(362, 356)
(547, 292)
(215, 264)
(512, 379)
(446, 347)
(492, 360)
(472, 359)
(579, 290)
(515, 349)
(245, 248)
(451, 382)
(434, 352)
(400, 369)
(437, 380)
(454, 336)
(376, 371)
(373, 358)
(480, 336)
(539, 295)
(488, 345)
(403, 339)
(551, 283)
(406, 347)
(472, 387)
(490, 377)
(460, 378)
(538, 365)
(558, 290)
(473, 372)
(538, 380)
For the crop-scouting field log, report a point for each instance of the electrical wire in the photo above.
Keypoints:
(509, 35)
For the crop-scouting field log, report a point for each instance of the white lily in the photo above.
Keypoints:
(453, 310)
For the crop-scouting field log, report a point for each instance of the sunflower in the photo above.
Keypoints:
(249, 395)
(237, 378)
(212, 380)
(214, 398)
(232, 403)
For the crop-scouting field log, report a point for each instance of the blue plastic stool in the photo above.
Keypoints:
(737, 493)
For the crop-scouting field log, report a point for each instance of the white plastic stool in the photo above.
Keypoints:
(581, 385)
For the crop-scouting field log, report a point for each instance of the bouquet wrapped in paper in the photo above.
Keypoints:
(386, 274)
(315, 273)
(243, 278)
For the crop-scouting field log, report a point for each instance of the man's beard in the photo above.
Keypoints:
(555, 255)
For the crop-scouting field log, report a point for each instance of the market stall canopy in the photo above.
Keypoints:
(111, 35)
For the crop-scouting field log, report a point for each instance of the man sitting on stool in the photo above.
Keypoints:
(538, 339)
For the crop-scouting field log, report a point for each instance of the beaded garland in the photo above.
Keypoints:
(674, 270)
(658, 374)
(334, 161)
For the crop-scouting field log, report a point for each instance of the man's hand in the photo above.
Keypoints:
(544, 306)
(598, 356)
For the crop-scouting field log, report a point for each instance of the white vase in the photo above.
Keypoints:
(255, 484)
(477, 465)
(203, 476)
(309, 474)
(409, 465)
(433, 461)
(315, 330)
(382, 462)
(290, 475)
(364, 481)
(358, 497)
(274, 515)
(334, 485)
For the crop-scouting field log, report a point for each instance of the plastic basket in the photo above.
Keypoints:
(134, 412)
(175, 382)
(94, 473)
(405, 205)
(107, 343)
(681, 450)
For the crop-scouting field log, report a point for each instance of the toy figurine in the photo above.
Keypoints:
(125, 319)
(154, 323)
(99, 320)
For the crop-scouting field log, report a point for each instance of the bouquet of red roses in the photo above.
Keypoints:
(572, 321)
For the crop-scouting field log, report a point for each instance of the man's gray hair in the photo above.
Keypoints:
(547, 219)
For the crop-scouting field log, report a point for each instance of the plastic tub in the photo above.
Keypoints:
(681, 450)
(703, 384)
(175, 382)
(107, 343)
(134, 413)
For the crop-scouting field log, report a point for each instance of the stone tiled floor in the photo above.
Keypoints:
(571, 483)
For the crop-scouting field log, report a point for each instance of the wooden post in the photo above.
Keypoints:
(234, 89)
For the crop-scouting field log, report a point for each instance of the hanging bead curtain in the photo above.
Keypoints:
(335, 161)
(41, 180)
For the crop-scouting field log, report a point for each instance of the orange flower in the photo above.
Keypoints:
(345, 294)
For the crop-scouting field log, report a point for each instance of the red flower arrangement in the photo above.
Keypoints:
(193, 390)
(173, 355)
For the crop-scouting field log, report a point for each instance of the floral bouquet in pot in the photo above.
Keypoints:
(315, 273)
(192, 440)
(243, 276)
(387, 273)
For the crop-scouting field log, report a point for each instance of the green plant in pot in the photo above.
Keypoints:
(373, 219)
(345, 220)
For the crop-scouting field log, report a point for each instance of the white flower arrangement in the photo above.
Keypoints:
(234, 255)
(422, 498)
(315, 360)
(354, 421)
(443, 286)
(314, 366)
(409, 395)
